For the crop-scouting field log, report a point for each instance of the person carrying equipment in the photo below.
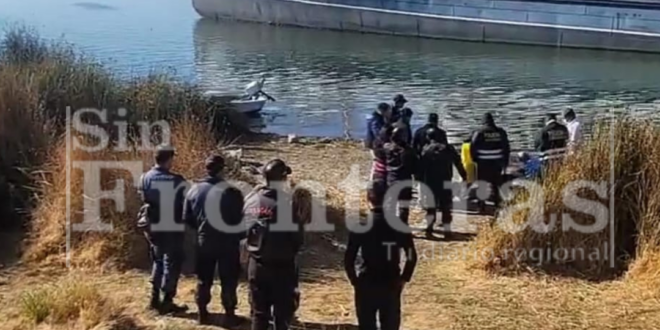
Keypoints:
(419, 139)
(274, 239)
(551, 141)
(210, 204)
(490, 150)
(436, 172)
(378, 280)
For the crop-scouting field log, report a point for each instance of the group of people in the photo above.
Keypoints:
(399, 156)
(211, 207)
(427, 157)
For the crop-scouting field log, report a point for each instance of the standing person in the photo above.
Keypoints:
(574, 129)
(404, 123)
(436, 169)
(552, 140)
(399, 103)
(401, 162)
(378, 281)
(377, 125)
(272, 268)
(490, 151)
(210, 205)
(419, 139)
(166, 247)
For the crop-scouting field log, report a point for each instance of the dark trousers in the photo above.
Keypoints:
(167, 260)
(228, 266)
(401, 204)
(272, 294)
(491, 174)
(440, 201)
(380, 301)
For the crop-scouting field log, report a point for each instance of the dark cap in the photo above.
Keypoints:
(406, 112)
(433, 118)
(399, 98)
(163, 153)
(488, 119)
(276, 169)
(432, 134)
(214, 164)
(382, 107)
(569, 113)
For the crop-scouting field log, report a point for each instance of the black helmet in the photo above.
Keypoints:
(431, 134)
(276, 169)
(399, 98)
(399, 135)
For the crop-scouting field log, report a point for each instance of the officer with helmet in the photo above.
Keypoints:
(274, 239)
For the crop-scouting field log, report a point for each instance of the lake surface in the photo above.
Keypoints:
(326, 82)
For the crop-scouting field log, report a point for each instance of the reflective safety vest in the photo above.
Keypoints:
(494, 154)
(553, 154)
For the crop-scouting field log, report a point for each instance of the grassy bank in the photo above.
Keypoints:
(40, 79)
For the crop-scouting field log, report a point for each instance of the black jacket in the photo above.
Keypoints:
(553, 136)
(380, 248)
(420, 140)
(401, 163)
(490, 145)
(267, 244)
(218, 224)
(436, 164)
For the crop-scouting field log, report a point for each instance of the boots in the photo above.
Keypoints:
(169, 307)
(154, 304)
(203, 318)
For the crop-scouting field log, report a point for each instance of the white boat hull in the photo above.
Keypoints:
(249, 106)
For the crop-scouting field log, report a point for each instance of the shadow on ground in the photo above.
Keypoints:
(217, 320)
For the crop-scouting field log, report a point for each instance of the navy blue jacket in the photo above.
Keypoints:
(375, 124)
(225, 207)
(150, 183)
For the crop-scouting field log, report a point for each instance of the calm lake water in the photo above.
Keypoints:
(326, 82)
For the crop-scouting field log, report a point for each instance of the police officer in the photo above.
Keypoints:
(166, 245)
(378, 280)
(552, 140)
(437, 168)
(401, 164)
(274, 240)
(419, 139)
(490, 150)
(213, 206)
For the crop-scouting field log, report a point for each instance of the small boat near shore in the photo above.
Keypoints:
(251, 102)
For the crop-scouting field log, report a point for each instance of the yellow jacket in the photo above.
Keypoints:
(467, 162)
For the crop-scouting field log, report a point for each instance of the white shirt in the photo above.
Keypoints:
(574, 132)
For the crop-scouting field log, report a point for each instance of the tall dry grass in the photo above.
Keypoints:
(632, 147)
(40, 79)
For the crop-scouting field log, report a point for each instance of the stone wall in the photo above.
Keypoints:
(488, 25)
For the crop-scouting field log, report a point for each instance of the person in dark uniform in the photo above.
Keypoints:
(272, 268)
(378, 280)
(401, 164)
(377, 126)
(490, 150)
(437, 168)
(210, 204)
(404, 123)
(397, 109)
(166, 247)
(552, 140)
(419, 139)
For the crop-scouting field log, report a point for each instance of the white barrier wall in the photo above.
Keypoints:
(475, 20)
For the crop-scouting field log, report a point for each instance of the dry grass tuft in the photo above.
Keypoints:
(633, 146)
(71, 300)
